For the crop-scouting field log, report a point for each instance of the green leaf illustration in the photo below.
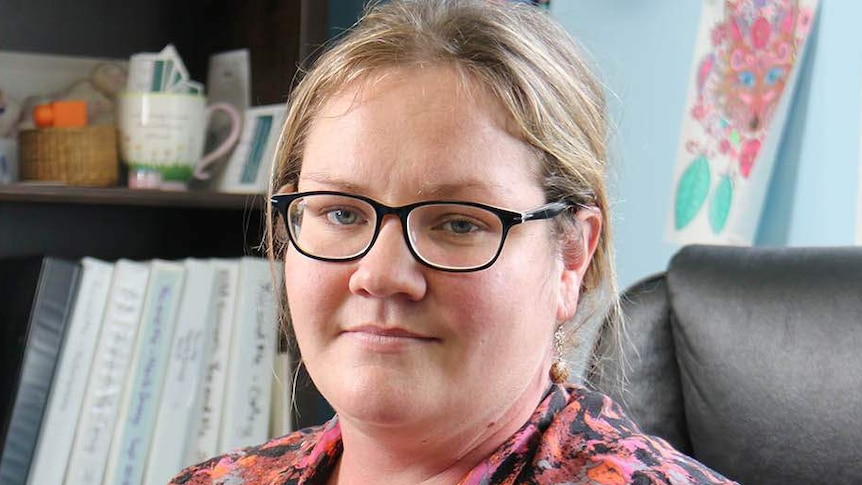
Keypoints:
(691, 192)
(719, 206)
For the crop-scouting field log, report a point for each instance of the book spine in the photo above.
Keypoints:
(249, 392)
(70, 379)
(108, 374)
(281, 417)
(205, 430)
(185, 371)
(136, 418)
(49, 317)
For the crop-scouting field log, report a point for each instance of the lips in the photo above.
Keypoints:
(390, 332)
(386, 340)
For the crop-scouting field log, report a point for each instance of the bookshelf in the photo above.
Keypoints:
(113, 223)
(280, 35)
(121, 196)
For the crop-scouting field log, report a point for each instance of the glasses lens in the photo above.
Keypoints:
(331, 226)
(455, 236)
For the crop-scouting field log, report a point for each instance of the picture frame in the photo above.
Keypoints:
(8, 161)
(248, 168)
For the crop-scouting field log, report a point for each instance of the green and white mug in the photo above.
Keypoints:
(162, 138)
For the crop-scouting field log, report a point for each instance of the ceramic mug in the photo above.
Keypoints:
(162, 138)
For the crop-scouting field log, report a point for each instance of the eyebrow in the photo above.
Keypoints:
(457, 188)
(447, 190)
(335, 183)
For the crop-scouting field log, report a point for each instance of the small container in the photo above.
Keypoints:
(74, 156)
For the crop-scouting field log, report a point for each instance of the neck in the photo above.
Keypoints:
(431, 453)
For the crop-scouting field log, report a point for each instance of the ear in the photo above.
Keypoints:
(578, 247)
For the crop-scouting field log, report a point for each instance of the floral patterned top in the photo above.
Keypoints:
(575, 436)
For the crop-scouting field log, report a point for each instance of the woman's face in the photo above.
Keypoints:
(387, 340)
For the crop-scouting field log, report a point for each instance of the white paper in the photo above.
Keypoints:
(745, 68)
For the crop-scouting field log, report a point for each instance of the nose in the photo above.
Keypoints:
(389, 269)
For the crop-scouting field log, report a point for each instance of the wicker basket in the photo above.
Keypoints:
(73, 156)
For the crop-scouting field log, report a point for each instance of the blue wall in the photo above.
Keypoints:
(644, 51)
(342, 14)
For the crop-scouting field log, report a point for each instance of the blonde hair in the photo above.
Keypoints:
(523, 59)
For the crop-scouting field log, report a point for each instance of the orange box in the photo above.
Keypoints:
(69, 113)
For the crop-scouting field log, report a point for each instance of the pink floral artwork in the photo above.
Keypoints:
(743, 76)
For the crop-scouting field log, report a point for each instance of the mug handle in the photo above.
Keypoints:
(203, 165)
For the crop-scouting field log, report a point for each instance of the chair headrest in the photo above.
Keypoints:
(768, 344)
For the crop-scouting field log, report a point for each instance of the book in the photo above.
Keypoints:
(137, 412)
(39, 293)
(249, 387)
(185, 373)
(204, 429)
(283, 380)
(70, 378)
(108, 374)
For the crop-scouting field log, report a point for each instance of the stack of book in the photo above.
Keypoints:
(125, 372)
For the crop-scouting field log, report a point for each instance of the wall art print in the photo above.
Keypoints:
(746, 61)
(858, 198)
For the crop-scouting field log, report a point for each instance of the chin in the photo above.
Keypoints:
(376, 396)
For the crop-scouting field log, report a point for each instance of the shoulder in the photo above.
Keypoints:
(282, 457)
(592, 438)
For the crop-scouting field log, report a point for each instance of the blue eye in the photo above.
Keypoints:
(342, 216)
(774, 75)
(746, 78)
(461, 227)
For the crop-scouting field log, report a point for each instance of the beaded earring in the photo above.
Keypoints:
(559, 370)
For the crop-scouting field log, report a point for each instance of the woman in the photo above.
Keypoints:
(444, 230)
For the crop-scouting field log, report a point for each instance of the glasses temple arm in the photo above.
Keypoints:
(547, 211)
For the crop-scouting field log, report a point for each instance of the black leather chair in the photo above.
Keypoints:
(750, 360)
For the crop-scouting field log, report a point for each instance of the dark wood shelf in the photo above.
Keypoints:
(121, 196)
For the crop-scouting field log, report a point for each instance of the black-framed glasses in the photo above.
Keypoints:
(444, 235)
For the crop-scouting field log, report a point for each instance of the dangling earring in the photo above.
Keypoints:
(559, 371)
